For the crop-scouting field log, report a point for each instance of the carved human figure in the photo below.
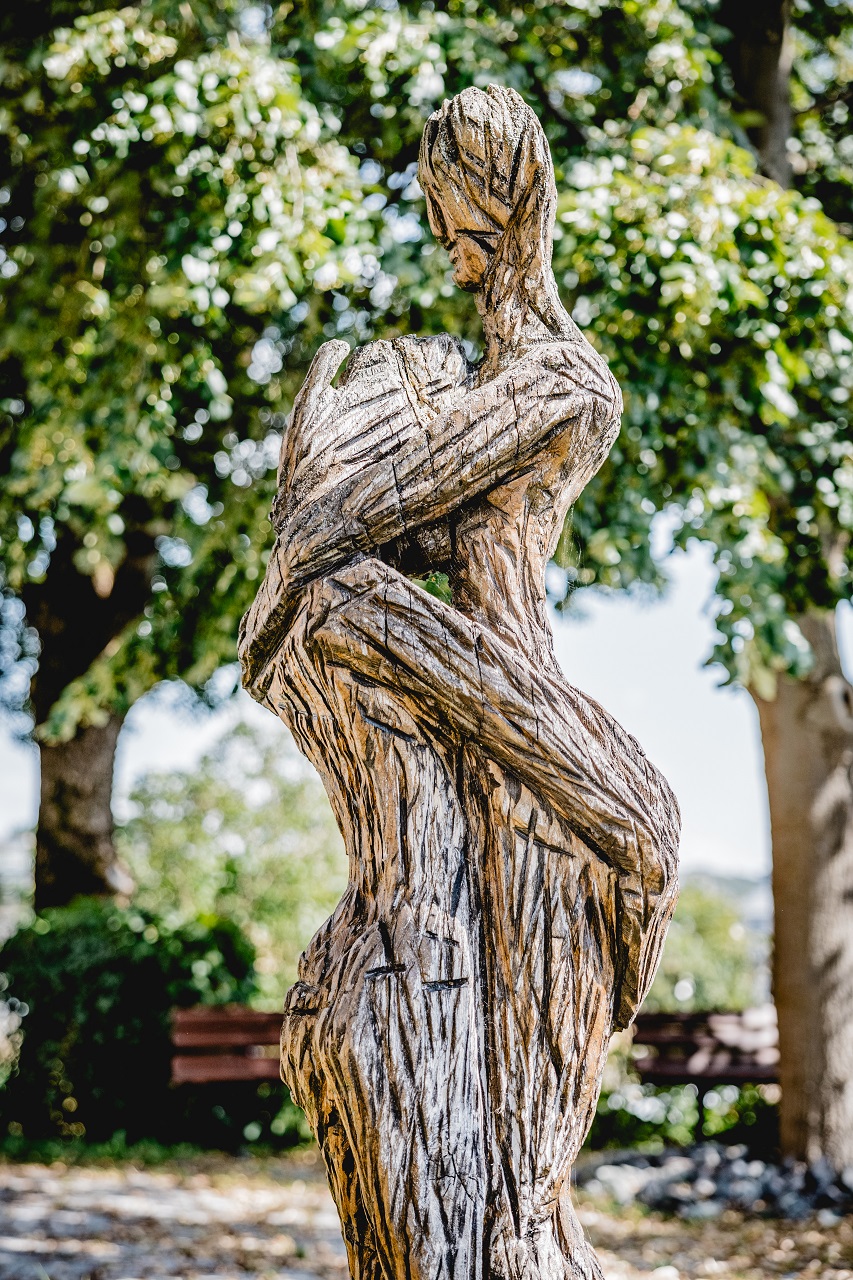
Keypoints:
(512, 851)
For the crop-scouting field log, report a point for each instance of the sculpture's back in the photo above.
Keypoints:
(512, 852)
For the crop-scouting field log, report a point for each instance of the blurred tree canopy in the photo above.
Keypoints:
(709, 959)
(721, 302)
(192, 205)
(172, 194)
(248, 835)
(197, 194)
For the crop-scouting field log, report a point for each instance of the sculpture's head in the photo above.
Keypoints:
(485, 169)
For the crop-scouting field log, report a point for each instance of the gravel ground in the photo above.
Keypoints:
(705, 1180)
(221, 1219)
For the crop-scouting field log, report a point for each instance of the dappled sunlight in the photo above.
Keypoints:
(220, 1219)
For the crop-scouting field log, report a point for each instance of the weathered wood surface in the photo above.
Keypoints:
(512, 851)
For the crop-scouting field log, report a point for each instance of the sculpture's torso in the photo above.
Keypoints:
(470, 902)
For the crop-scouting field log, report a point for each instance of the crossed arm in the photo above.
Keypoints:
(369, 619)
(561, 744)
(436, 465)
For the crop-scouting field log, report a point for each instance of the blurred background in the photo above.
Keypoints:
(194, 197)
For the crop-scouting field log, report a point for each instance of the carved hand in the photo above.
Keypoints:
(437, 465)
(429, 468)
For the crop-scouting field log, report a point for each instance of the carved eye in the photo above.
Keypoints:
(482, 238)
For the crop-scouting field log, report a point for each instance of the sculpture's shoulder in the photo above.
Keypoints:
(576, 360)
(429, 369)
(439, 358)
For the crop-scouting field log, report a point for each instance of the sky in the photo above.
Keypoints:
(642, 660)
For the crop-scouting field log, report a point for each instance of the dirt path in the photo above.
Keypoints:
(221, 1219)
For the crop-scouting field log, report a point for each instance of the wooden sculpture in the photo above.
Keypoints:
(512, 852)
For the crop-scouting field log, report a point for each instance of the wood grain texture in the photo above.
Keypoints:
(512, 851)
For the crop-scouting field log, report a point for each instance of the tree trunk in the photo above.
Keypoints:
(807, 731)
(759, 57)
(75, 622)
(74, 840)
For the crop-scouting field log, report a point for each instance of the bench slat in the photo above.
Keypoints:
(713, 1048)
(709, 1048)
(205, 1069)
(224, 1016)
(659, 1071)
(209, 1032)
(211, 1037)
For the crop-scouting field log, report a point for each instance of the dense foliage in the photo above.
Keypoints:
(711, 959)
(821, 146)
(248, 840)
(172, 206)
(651, 1118)
(194, 202)
(734, 344)
(247, 834)
(94, 985)
(722, 303)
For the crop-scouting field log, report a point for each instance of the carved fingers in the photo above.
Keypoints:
(314, 401)
(317, 385)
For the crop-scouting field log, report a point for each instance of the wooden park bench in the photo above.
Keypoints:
(229, 1042)
(707, 1050)
(233, 1043)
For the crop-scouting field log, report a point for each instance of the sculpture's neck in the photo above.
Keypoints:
(508, 330)
(519, 310)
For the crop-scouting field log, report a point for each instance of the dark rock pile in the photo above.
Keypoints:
(701, 1182)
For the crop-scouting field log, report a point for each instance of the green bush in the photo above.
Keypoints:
(649, 1117)
(94, 984)
(712, 959)
(248, 833)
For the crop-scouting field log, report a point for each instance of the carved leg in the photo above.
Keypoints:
(449, 1031)
(386, 1071)
(346, 1189)
(545, 901)
(315, 1094)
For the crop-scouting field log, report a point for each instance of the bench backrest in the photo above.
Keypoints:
(711, 1048)
(224, 1042)
(231, 1043)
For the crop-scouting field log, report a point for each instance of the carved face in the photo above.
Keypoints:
(468, 237)
(485, 166)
